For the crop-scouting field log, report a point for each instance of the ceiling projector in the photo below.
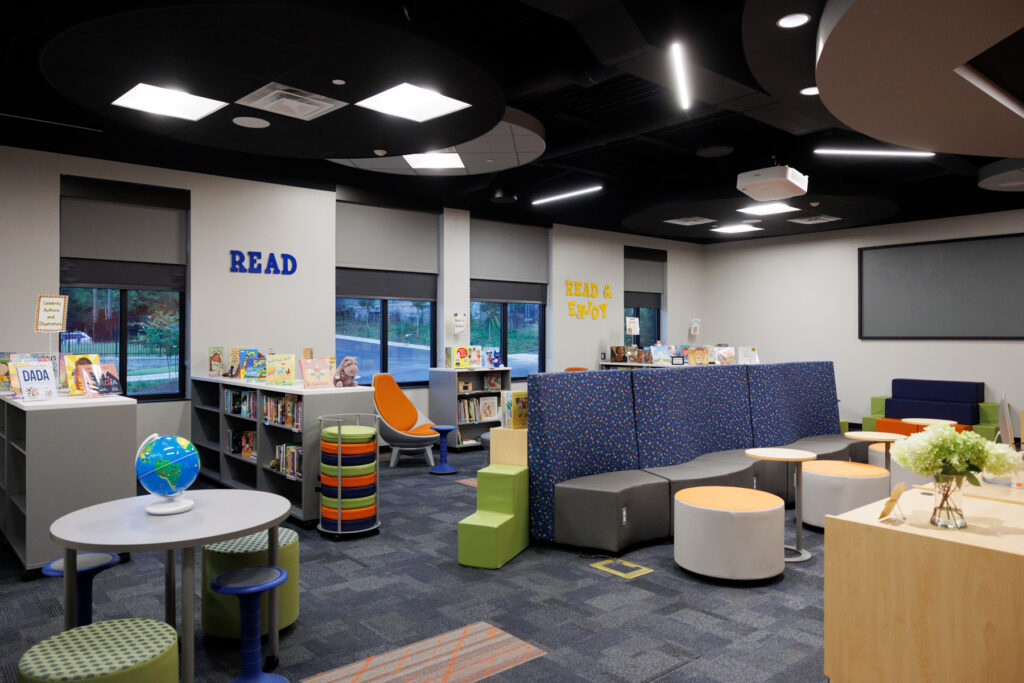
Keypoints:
(772, 184)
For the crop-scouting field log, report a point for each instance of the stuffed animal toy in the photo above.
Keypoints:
(345, 375)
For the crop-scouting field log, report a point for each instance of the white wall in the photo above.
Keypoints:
(795, 298)
(596, 256)
(285, 313)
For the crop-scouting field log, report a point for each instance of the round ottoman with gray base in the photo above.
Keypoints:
(728, 532)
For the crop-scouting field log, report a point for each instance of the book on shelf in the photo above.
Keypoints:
(515, 411)
(699, 355)
(307, 352)
(216, 366)
(488, 407)
(242, 443)
(662, 354)
(234, 361)
(5, 371)
(288, 460)
(240, 402)
(316, 372)
(71, 363)
(281, 369)
(747, 355)
(254, 366)
(492, 381)
(493, 357)
(618, 354)
(36, 380)
(283, 411)
(99, 380)
(724, 355)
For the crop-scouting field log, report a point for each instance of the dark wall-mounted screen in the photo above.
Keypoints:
(954, 289)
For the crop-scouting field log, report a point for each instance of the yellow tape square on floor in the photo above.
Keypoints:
(622, 568)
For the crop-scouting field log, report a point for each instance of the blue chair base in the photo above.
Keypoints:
(249, 583)
(89, 565)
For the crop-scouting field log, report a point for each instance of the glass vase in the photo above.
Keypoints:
(948, 512)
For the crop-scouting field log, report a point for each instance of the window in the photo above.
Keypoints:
(514, 328)
(404, 346)
(138, 331)
(650, 326)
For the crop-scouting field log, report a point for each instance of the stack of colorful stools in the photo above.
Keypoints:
(348, 479)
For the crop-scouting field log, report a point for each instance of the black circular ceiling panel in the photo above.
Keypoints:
(225, 52)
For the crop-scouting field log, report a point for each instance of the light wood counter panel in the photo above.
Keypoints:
(906, 601)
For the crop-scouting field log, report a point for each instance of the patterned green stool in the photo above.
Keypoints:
(220, 612)
(117, 651)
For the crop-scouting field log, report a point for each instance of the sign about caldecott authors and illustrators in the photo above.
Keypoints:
(581, 305)
(51, 313)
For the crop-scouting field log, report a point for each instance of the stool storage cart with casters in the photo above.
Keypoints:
(349, 472)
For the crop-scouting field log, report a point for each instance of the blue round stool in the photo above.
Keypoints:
(442, 467)
(248, 583)
(89, 565)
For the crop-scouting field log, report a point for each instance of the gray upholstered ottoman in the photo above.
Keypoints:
(722, 468)
(833, 447)
(612, 510)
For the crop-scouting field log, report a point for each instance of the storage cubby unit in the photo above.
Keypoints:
(280, 416)
(450, 386)
(59, 456)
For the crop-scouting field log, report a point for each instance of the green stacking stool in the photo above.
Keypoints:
(117, 651)
(220, 616)
(497, 531)
(349, 434)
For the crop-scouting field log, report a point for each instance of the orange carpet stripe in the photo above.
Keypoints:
(402, 660)
(481, 661)
(365, 664)
(455, 654)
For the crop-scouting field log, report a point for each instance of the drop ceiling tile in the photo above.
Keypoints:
(477, 163)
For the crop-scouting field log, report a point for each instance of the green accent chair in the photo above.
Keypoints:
(497, 531)
(869, 422)
(116, 651)
(988, 420)
(220, 612)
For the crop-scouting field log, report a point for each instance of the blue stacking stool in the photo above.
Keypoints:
(89, 565)
(248, 583)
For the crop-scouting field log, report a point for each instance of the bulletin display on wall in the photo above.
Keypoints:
(951, 289)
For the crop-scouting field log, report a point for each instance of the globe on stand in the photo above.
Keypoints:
(166, 466)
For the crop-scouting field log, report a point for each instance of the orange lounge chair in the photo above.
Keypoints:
(402, 426)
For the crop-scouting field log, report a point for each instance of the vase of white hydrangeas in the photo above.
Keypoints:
(952, 460)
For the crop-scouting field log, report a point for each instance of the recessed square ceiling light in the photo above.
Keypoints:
(168, 102)
(412, 102)
(691, 220)
(810, 90)
(442, 159)
(793, 20)
(736, 228)
(768, 209)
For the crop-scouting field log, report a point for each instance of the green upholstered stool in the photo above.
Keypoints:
(349, 434)
(498, 530)
(117, 651)
(220, 612)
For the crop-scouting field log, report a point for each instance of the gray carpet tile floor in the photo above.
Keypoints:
(371, 595)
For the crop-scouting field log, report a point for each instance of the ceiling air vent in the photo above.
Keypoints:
(692, 220)
(288, 101)
(814, 220)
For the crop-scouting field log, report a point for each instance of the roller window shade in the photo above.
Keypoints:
(397, 240)
(77, 272)
(501, 290)
(114, 221)
(641, 300)
(508, 251)
(365, 283)
(644, 276)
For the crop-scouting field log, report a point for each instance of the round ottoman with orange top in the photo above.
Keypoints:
(729, 532)
(832, 487)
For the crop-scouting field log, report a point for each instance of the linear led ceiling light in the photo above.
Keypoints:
(836, 151)
(768, 209)
(730, 229)
(566, 195)
(811, 90)
(679, 75)
(168, 102)
(793, 20)
(412, 102)
(442, 159)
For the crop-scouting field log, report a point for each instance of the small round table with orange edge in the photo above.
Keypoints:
(878, 437)
(797, 456)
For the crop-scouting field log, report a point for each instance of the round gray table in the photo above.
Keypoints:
(124, 526)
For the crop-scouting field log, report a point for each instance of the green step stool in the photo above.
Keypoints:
(116, 651)
(497, 531)
(220, 612)
(869, 422)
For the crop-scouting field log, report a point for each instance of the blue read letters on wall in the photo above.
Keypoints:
(255, 265)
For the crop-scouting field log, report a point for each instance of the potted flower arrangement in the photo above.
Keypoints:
(951, 459)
